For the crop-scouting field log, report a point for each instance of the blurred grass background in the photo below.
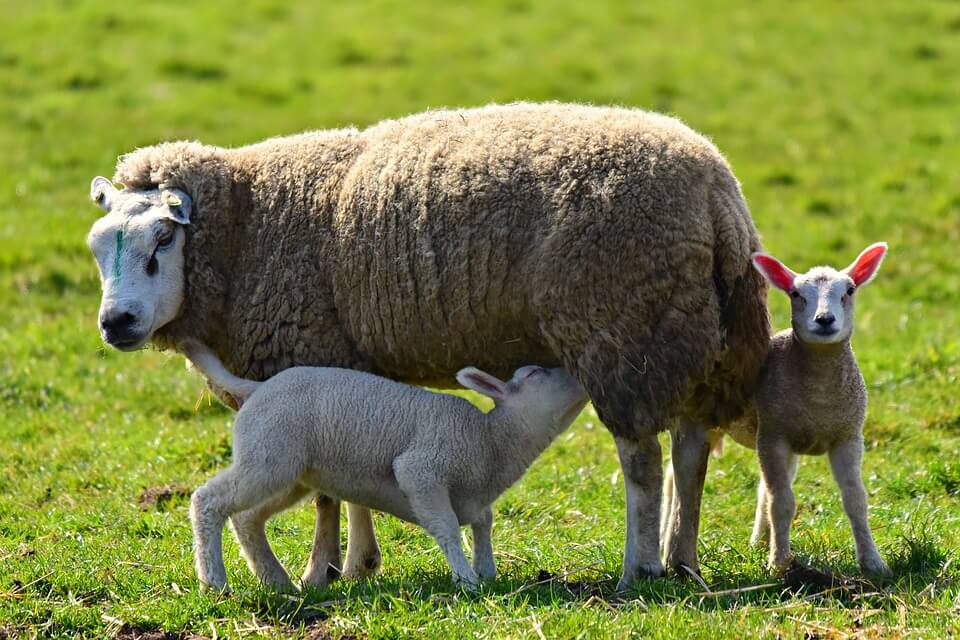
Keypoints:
(841, 119)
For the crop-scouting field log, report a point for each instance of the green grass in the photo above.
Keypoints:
(841, 121)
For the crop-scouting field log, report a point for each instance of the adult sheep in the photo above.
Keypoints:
(611, 241)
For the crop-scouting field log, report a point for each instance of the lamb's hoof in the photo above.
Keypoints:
(780, 564)
(646, 571)
(486, 573)
(468, 582)
(215, 587)
(280, 586)
(876, 566)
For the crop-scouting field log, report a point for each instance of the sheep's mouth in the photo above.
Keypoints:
(127, 344)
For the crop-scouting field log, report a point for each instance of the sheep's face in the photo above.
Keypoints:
(547, 397)
(138, 247)
(822, 299)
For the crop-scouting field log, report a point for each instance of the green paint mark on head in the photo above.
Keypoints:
(116, 257)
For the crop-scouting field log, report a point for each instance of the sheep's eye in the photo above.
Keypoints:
(152, 266)
(795, 294)
(165, 241)
(850, 291)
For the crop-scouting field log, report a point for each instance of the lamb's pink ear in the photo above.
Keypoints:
(774, 271)
(865, 267)
(482, 382)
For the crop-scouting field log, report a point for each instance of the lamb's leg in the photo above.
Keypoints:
(690, 446)
(642, 478)
(761, 522)
(483, 562)
(845, 461)
(363, 552)
(324, 562)
(776, 463)
(430, 502)
(227, 493)
(249, 528)
(668, 504)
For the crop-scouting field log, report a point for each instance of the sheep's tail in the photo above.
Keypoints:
(210, 366)
(742, 295)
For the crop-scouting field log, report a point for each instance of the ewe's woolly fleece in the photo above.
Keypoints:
(613, 241)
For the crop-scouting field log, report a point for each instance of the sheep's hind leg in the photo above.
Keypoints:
(690, 452)
(249, 528)
(845, 461)
(642, 477)
(324, 562)
(483, 561)
(363, 552)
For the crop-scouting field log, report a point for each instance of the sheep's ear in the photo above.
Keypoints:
(482, 382)
(102, 192)
(178, 204)
(774, 271)
(865, 267)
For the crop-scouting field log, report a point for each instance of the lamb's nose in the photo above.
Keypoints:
(824, 319)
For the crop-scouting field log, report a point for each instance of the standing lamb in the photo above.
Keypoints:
(613, 242)
(429, 458)
(810, 399)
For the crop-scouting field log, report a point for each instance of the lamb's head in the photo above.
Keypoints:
(138, 247)
(548, 398)
(822, 298)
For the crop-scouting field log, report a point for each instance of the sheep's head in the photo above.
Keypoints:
(545, 397)
(138, 247)
(822, 299)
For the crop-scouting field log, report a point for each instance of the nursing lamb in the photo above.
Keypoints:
(429, 458)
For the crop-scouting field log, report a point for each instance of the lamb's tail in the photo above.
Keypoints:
(210, 366)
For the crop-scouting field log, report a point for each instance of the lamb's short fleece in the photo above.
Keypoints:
(429, 458)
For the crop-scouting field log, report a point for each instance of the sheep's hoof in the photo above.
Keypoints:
(647, 571)
(364, 567)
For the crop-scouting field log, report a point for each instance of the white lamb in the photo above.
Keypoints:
(429, 458)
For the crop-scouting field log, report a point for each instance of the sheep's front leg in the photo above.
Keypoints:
(483, 561)
(776, 460)
(324, 562)
(363, 552)
(641, 462)
(845, 461)
(690, 447)
(249, 528)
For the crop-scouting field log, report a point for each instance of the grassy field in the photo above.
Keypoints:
(842, 120)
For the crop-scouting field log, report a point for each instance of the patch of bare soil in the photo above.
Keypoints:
(160, 497)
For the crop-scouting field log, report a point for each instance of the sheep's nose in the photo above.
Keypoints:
(116, 326)
(824, 319)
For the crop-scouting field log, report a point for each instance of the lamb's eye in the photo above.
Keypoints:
(152, 266)
(795, 294)
(165, 241)
(850, 291)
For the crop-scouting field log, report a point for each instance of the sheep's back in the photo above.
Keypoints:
(463, 235)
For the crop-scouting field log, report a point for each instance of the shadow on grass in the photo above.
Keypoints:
(919, 565)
